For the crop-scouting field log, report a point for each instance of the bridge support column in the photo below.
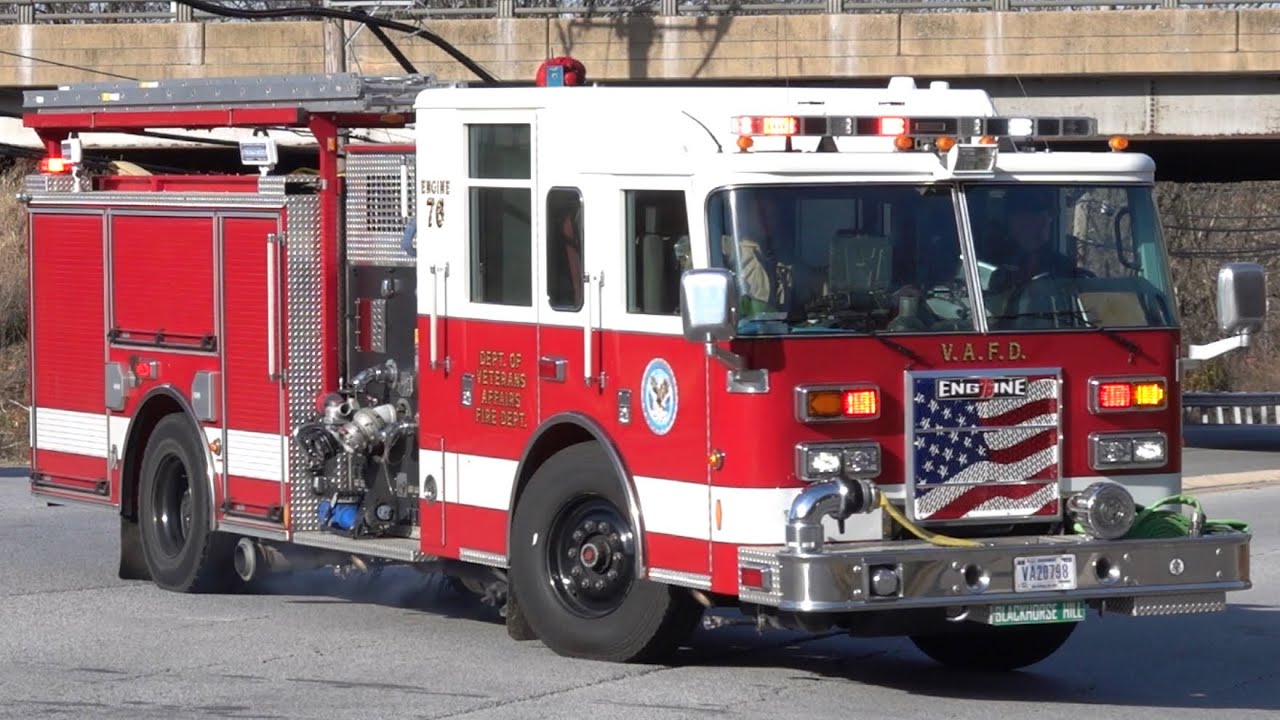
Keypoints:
(27, 13)
(182, 12)
(669, 7)
(506, 8)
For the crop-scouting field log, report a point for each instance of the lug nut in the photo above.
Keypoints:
(604, 528)
(585, 583)
(589, 526)
(612, 575)
(599, 584)
(578, 536)
(573, 552)
(617, 557)
(576, 570)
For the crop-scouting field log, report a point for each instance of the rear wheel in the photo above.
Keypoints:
(573, 561)
(995, 648)
(182, 551)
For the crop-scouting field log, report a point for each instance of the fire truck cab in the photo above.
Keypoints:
(854, 358)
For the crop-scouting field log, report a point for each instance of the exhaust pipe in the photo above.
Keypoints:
(254, 558)
(837, 498)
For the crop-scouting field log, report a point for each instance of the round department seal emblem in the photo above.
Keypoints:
(659, 397)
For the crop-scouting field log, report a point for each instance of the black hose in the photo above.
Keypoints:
(391, 48)
(372, 22)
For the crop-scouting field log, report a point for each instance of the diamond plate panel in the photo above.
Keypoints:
(378, 325)
(767, 559)
(1168, 605)
(38, 184)
(305, 381)
(374, 224)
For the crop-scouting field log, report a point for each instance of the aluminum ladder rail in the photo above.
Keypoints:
(329, 93)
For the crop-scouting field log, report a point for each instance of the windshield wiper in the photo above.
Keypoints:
(1109, 333)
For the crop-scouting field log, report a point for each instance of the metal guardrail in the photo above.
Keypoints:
(104, 11)
(1201, 408)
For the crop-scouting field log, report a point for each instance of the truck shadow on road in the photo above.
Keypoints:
(1224, 661)
(394, 586)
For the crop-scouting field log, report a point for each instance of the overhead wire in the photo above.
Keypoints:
(69, 66)
(363, 18)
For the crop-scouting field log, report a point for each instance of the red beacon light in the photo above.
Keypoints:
(767, 125)
(561, 71)
(54, 166)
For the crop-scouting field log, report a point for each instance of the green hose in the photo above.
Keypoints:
(1154, 523)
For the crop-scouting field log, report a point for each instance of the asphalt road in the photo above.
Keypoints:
(76, 642)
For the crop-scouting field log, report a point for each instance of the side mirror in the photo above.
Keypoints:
(1242, 298)
(708, 305)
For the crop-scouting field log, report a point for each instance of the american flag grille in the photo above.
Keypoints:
(984, 448)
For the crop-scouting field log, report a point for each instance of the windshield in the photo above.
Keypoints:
(887, 258)
(842, 258)
(1069, 256)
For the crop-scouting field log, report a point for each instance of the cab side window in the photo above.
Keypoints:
(564, 249)
(657, 240)
(500, 209)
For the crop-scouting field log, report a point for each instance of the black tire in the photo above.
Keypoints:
(995, 648)
(182, 552)
(628, 620)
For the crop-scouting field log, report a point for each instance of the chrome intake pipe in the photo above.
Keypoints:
(837, 498)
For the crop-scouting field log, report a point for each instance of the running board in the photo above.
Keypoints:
(404, 549)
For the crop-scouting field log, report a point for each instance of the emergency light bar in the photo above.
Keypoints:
(818, 126)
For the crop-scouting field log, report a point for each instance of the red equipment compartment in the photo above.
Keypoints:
(66, 324)
(252, 353)
(162, 280)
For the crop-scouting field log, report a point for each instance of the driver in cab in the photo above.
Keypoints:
(1031, 212)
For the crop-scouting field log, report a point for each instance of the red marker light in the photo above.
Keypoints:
(146, 369)
(1115, 396)
(752, 577)
(860, 403)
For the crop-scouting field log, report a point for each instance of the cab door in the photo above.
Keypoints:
(656, 381)
(488, 340)
(571, 273)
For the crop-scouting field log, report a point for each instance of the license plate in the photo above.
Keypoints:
(1037, 613)
(1044, 572)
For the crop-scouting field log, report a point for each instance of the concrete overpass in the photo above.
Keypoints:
(1154, 74)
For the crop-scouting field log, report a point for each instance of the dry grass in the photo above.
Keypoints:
(13, 317)
(1207, 225)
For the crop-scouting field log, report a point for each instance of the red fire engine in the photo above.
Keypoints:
(857, 358)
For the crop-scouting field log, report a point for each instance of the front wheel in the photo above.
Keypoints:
(182, 551)
(995, 648)
(573, 562)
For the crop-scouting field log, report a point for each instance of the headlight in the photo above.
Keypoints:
(826, 461)
(822, 463)
(1105, 510)
(1116, 451)
(1149, 450)
(861, 461)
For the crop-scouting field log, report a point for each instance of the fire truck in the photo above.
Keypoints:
(874, 359)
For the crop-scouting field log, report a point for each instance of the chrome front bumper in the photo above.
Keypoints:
(1162, 576)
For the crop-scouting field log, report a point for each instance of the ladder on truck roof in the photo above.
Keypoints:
(222, 102)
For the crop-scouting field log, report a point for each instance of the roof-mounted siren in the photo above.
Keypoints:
(941, 135)
(561, 71)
